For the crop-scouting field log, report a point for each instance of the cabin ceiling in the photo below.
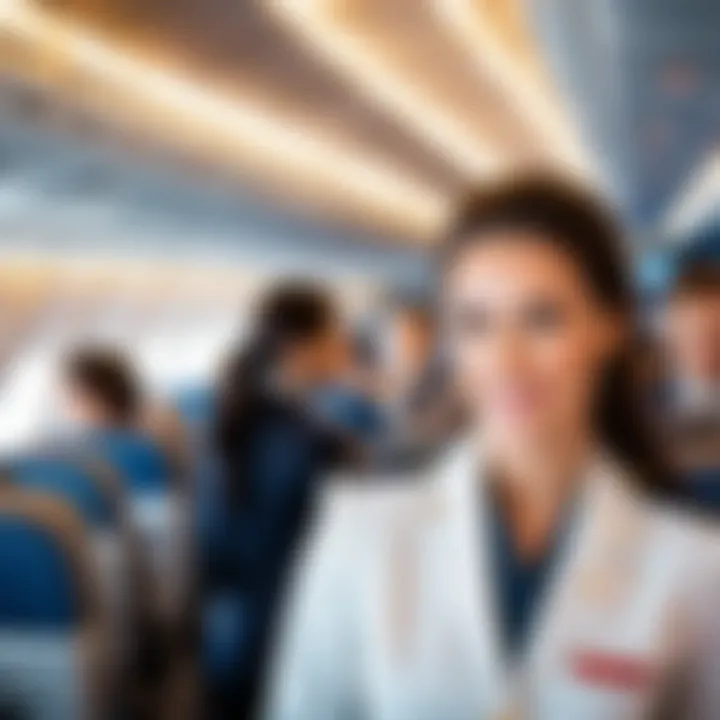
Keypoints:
(644, 78)
(368, 115)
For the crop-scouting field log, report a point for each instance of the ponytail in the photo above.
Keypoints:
(290, 315)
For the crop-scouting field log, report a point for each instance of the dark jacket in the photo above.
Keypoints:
(264, 507)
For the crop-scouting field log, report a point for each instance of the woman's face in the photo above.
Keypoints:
(527, 338)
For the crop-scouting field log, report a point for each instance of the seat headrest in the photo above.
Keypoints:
(45, 570)
(71, 481)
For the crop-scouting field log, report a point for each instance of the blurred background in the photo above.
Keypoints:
(163, 164)
(156, 155)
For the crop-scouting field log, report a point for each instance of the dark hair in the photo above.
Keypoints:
(574, 221)
(108, 376)
(291, 313)
(697, 279)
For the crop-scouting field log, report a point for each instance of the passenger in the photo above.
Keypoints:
(693, 396)
(351, 400)
(103, 391)
(535, 572)
(409, 337)
(367, 366)
(421, 408)
(694, 340)
(104, 396)
(274, 452)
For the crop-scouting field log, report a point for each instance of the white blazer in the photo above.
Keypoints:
(393, 618)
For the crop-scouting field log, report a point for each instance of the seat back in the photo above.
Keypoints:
(94, 492)
(160, 513)
(53, 660)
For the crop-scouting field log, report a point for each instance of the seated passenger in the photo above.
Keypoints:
(692, 402)
(274, 452)
(420, 406)
(105, 398)
(102, 390)
(104, 403)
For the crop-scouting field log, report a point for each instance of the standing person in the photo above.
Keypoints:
(536, 572)
(105, 395)
(692, 403)
(409, 339)
(273, 452)
(351, 399)
(693, 338)
(105, 400)
(420, 406)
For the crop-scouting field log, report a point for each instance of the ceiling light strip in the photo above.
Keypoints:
(249, 130)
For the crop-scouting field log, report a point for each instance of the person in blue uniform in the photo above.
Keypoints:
(692, 395)
(273, 451)
(537, 570)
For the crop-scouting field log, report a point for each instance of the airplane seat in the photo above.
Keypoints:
(94, 492)
(54, 659)
(159, 512)
(93, 496)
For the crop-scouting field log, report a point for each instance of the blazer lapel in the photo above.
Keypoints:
(473, 611)
(591, 574)
(594, 579)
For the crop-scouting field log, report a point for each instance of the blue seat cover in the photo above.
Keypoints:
(69, 481)
(39, 589)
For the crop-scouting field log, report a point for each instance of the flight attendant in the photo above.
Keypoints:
(274, 453)
(537, 571)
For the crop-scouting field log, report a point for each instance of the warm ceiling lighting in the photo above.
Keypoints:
(232, 127)
(471, 23)
(359, 57)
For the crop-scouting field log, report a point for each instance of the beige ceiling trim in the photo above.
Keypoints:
(497, 37)
(394, 55)
(232, 130)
